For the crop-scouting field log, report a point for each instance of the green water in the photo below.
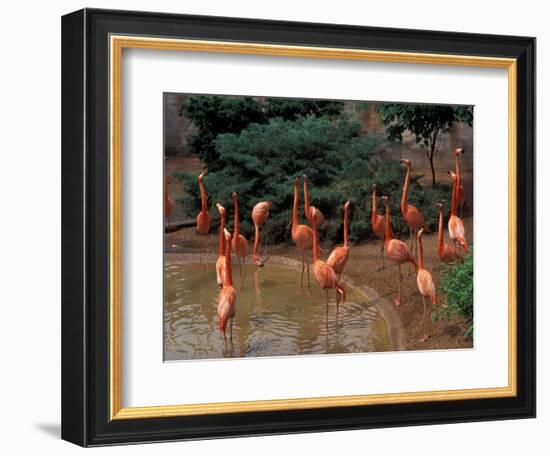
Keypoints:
(273, 317)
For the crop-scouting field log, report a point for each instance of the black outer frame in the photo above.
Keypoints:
(85, 227)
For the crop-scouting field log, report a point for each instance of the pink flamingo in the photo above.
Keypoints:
(240, 243)
(461, 195)
(447, 253)
(260, 214)
(167, 202)
(227, 299)
(311, 210)
(302, 235)
(412, 215)
(396, 250)
(220, 262)
(339, 256)
(324, 274)
(426, 285)
(203, 221)
(378, 224)
(456, 227)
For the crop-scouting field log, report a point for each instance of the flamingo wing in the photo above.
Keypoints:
(398, 252)
(379, 226)
(302, 235)
(338, 258)
(203, 223)
(414, 218)
(426, 285)
(260, 213)
(227, 305)
(220, 270)
(324, 275)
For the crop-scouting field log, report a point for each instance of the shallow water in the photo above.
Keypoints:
(273, 317)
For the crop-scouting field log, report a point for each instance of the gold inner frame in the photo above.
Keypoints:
(117, 44)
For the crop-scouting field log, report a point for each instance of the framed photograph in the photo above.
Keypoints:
(279, 227)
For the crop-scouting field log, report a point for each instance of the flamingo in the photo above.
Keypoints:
(240, 243)
(447, 253)
(167, 202)
(302, 235)
(339, 256)
(461, 196)
(260, 214)
(220, 262)
(378, 224)
(396, 250)
(310, 210)
(227, 299)
(426, 286)
(456, 227)
(412, 215)
(203, 221)
(323, 272)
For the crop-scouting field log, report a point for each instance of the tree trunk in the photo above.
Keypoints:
(431, 153)
(433, 170)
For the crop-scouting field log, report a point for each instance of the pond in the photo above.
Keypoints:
(274, 318)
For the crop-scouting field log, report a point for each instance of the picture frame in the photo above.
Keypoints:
(92, 45)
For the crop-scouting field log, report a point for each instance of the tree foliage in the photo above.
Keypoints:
(426, 122)
(215, 115)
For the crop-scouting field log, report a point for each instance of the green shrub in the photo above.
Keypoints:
(458, 285)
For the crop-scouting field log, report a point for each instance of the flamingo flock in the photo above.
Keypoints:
(328, 273)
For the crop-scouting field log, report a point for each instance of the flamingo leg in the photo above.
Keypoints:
(382, 253)
(412, 244)
(326, 307)
(266, 237)
(303, 267)
(425, 335)
(397, 301)
(257, 237)
(231, 329)
(308, 283)
(240, 267)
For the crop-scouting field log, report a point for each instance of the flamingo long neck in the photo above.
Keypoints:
(420, 259)
(228, 273)
(440, 231)
(315, 241)
(457, 171)
(203, 195)
(346, 222)
(453, 198)
(374, 208)
(222, 235)
(387, 237)
(306, 198)
(295, 207)
(236, 227)
(405, 190)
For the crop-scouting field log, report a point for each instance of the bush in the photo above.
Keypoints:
(458, 285)
(215, 115)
